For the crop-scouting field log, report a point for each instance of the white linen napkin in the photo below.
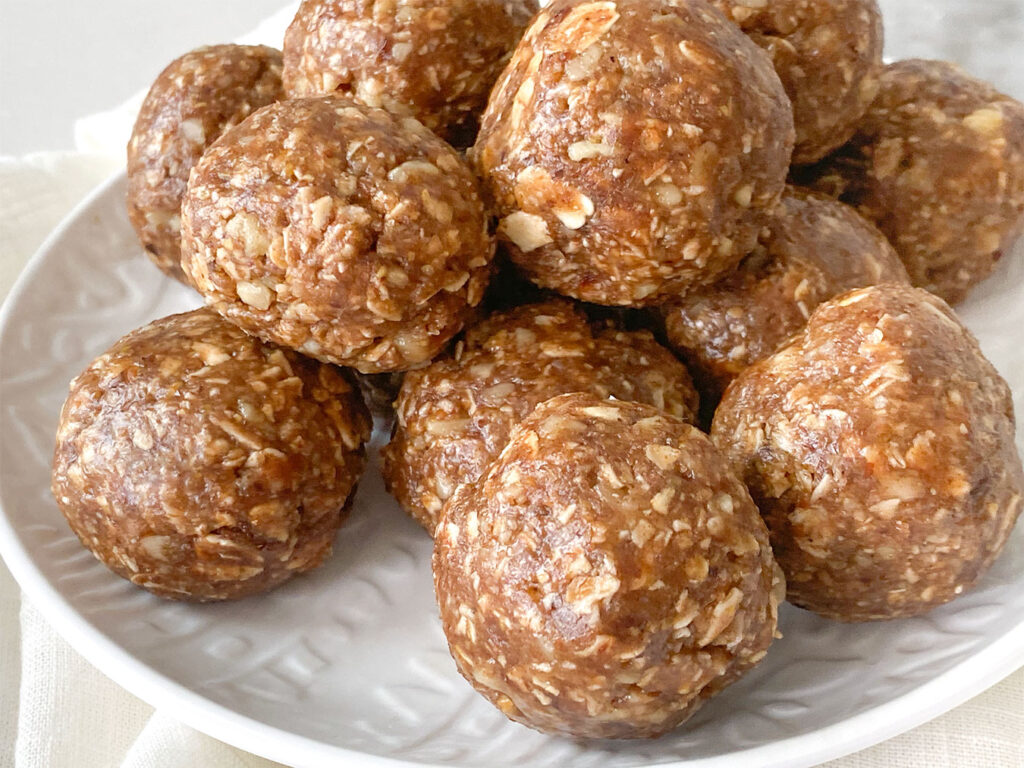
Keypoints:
(57, 711)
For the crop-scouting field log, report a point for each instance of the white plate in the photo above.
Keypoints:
(348, 664)
(351, 659)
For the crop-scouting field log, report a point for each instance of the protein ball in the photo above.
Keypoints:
(812, 249)
(879, 445)
(201, 464)
(938, 164)
(192, 102)
(828, 54)
(455, 416)
(607, 574)
(339, 231)
(435, 61)
(631, 148)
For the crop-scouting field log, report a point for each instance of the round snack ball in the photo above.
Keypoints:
(192, 102)
(435, 61)
(201, 464)
(879, 445)
(812, 249)
(339, 231)
(607, 574)
(938, 164)
(828, 54)
(455, 416)
(631, 148)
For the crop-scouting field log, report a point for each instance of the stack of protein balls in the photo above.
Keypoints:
(602, 565)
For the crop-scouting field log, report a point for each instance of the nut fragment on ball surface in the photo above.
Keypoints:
(192, 102)
(879, 446)
(938, 164)
(812, 249)
(202, 464)
(340, 231)
(631, 148)
(455, 416)
(435, 61)
(828, 54)
(607, 574)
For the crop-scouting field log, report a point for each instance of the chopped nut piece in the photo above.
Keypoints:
(192, 130)
(584, 150)
(663, 456)
(155, 547)
(576, 216)
(986, 121)
(668, 194)
(526, 230)
(603, 412)
(255, 295)
(583, 26)
(210, 354)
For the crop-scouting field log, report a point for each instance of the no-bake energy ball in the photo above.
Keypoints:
(812, 249)
(338, 230)
(879, 445)
(202, 464)
(630, 148)
(828, 54)
(192, 102)
(607, 574)
(938, 164)
(455, 416)
(435, 61)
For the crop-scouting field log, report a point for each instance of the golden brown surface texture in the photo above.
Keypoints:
(193, 101)
(607, 574)
(938, 164)
(812, 249)
(630, 148)
(202, 464)
(435, 61)
(828, 54)
(455, 416)
(879, 445)
(340, 231)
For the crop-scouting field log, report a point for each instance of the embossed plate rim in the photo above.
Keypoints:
(971, 676)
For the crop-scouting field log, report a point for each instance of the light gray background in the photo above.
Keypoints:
(62, 59)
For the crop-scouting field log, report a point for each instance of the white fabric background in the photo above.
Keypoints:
(57, 711)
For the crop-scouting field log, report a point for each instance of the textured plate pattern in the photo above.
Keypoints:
(351, 657)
